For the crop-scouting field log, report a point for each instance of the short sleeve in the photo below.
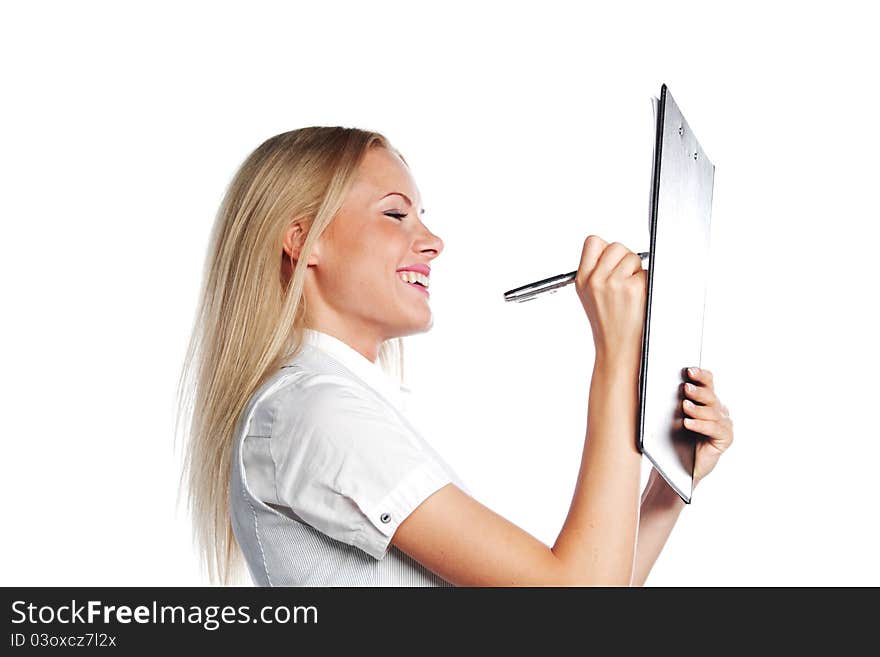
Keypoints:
(346, 465)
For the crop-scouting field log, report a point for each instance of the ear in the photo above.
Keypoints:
(293, 243)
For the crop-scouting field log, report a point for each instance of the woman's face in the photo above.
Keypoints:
(354, 289)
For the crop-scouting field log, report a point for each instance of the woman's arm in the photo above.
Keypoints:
(468, 544)
(598, 538)
(659, 512)
(710, 421)
(465, 543)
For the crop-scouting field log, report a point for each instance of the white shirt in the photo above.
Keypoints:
(325, 467)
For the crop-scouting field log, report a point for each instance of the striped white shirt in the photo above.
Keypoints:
(325, 466)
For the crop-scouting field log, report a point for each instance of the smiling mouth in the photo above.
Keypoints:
(419, 286)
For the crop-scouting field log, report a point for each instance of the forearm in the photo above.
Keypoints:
(597, 543)
(659, 512)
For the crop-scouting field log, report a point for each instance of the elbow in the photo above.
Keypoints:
(597, 577)
(600, 579)
(582, 575)
(603, 582)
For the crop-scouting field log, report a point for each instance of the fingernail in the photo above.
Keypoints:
(693, 371)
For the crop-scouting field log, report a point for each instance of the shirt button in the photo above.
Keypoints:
(385, 517)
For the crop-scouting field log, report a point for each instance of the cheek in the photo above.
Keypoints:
(372, 276)
(367, 265)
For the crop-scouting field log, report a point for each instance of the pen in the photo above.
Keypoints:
(546, 286)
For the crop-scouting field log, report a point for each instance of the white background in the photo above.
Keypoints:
(527, 128)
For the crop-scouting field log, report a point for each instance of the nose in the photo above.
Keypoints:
(428, 241)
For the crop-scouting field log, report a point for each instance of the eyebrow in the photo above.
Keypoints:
(404, 196)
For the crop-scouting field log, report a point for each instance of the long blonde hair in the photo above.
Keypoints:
(250, 320)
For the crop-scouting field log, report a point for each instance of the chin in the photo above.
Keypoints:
(414, 328)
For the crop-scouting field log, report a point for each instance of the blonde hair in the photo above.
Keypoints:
(249, 320)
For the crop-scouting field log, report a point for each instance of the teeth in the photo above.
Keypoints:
(413, 277)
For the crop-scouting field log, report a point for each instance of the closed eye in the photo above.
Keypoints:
(396, 215)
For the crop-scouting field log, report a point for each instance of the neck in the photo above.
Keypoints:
(360, 341)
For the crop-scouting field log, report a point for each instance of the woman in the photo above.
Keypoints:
(301, 461)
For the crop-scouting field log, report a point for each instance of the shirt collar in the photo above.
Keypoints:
(371, 373)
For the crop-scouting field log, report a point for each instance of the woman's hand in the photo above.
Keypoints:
(612, 287)
(707, 417)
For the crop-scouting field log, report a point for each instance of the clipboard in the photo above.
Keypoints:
(682, 181)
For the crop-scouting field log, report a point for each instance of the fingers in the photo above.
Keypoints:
(711, 421)
(700, 412)
(630, 264)
(711, 408)
(700, 393)
(610, 262)
(602, 260)
(720, 432)
(593, 248)
(712, 418)
(703, 376)
(709, 428)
